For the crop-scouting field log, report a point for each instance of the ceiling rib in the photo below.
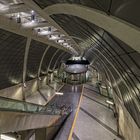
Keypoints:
(115, 26)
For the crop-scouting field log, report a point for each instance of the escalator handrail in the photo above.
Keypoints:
(20, 101)
(25, 107)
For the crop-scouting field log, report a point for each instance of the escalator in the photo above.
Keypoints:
(18, 115)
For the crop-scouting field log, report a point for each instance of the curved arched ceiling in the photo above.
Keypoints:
(79, 29)
(123, 30)
(104, 50)
(124, 9)
(12, 58)
(108, 30)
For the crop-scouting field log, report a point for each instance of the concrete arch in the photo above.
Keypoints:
(126, 32)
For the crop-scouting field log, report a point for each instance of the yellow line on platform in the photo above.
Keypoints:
(76, 115)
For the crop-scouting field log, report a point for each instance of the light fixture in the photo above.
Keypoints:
(109, 102)
(54, 37)
(59, 93)
(65, 44)
(5, 137)
(32, 16)
(18, 18)
(60, 41)
(44, 32)
(49, 29)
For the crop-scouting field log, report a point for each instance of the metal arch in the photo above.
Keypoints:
(57, 60)
(11, 26)
(40, 65)
(109, 53)
(110, 74)
(78, 38)
(26, 58)
(112, 24)
(51, 60)
(61, 60)
(35, 7)
(101, 53)
(118, 74)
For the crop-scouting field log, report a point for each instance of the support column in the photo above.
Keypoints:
(25, 63)
(50, 63)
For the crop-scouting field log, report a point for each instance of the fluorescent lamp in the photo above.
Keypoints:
(29, 24)
(52, 37)
(68, 46)
(60, 41)
(109, 102)
(103, 87)
(5, 137)
(18, 18)
(59, 93)
(65, 44)
(32, 16)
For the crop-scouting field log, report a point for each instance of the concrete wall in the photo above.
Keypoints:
(127, 126)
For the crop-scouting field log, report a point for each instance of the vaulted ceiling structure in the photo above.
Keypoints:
(36, 35)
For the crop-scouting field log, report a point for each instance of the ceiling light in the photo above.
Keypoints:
(29, 24)
(54, 37)
(44, 33)
(5, 137)
(109, 102)
(59, 93)
(18, 18)
(65, 44)
(49, 29)
(60, 41)
(32, 16)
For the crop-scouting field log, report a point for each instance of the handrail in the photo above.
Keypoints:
(22, 106)
(15, 100)
(7, 104)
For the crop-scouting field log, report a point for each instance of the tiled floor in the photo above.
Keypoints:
(95, 120)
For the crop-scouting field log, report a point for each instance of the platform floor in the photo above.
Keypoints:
(95, 120)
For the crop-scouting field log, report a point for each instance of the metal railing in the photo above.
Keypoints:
(7, 104)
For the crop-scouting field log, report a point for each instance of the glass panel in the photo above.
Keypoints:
(15, 105)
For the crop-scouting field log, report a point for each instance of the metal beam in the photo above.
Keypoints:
(12, 26)
(57, 60)
(117, 73)
(105, 69)
(41, 12)
(26, 58)
(113, 25)
(51, 60)
(40, 65)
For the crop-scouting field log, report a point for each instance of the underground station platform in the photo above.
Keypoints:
(69, 69)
